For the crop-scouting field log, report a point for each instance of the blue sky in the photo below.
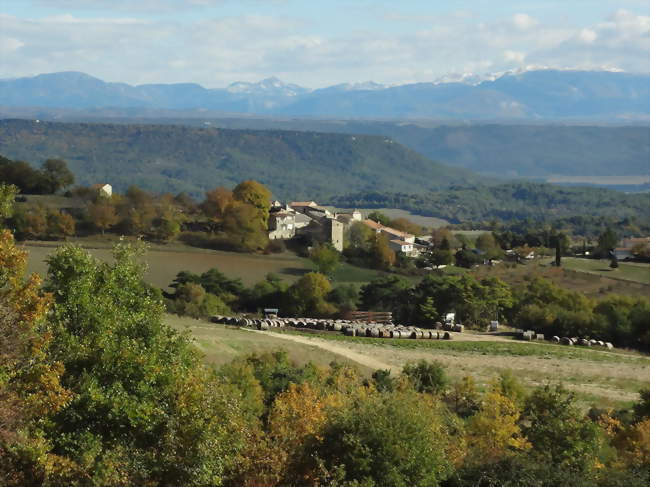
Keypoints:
(315, 44)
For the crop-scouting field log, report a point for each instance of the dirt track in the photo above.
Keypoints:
(342, 350)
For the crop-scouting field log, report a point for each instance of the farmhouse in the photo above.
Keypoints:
(397, 240)
(309, 218)
(103, 189)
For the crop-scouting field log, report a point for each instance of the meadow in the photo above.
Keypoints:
(628, 271)
(165, 262)
(598, 377)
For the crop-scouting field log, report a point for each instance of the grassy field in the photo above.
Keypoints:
(629, 271)
(221, 344)
(164, 263)
(598, 377)
(594, 285)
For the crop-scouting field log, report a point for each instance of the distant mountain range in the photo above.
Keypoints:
(532, 95)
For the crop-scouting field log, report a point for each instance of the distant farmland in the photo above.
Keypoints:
(165, 264)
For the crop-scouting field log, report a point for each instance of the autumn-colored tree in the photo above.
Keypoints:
(34, 222)
(60, 224)
(383, 256)
(307, 297)
(30, 387)
(406, 225)
(244, 229)
(463, 397)
(216, 203)
(102, 215)
(493, 432)
(633, 444)
(257, 195)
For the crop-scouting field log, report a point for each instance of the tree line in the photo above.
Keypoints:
(538, 304)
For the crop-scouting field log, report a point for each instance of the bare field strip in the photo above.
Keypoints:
(611, 180)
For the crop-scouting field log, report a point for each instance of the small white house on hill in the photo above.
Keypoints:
(103, 189)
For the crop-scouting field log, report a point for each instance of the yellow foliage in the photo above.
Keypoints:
(634, 444)
(30, 387)
(493, 432)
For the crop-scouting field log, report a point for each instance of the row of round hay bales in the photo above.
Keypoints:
(457, 327)
(582, 342)
(349, 328)
(260, 324)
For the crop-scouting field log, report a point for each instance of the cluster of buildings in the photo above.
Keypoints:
(324, 225)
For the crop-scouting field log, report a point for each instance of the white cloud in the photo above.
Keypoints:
(588, 36)
(514, 56)
(217, 51)
(523, 21)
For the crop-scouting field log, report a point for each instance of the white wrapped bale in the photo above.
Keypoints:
(555, 339)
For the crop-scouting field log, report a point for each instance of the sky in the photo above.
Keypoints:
(318, 43)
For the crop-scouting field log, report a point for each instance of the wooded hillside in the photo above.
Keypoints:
(173, 159)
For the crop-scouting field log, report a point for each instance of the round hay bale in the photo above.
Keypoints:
(601, 343)
(566, 341)
(583, 343)
(350, 332)
(593, 343)
(337, 326)
(395, 334)
(608, 345)
(446, 336)
(459, 328)
(374, 332)
(263, 326)
(555, 339)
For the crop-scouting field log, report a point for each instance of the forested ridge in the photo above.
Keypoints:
(173, 159)
(509, 202)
